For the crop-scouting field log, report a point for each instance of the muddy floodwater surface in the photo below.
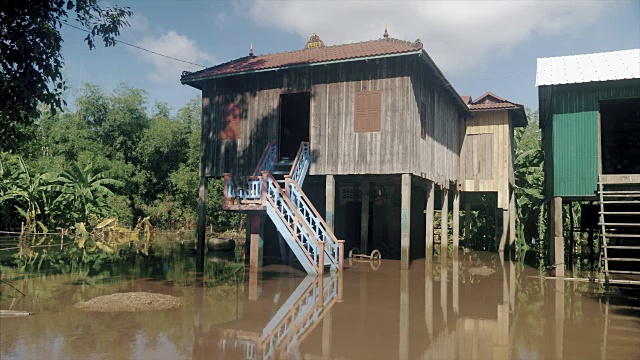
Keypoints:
(470, 306)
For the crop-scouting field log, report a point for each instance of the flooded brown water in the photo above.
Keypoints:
(438, 310)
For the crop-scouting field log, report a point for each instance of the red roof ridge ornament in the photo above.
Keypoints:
(251, 49)
(314, 42)
(386, 33)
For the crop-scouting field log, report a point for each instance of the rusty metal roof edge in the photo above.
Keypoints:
(188, 81)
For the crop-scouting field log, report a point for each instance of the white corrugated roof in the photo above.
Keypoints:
(615, 65)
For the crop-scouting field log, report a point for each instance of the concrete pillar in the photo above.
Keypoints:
(256, 227)
(403, 351)
(456, 219)
(257, 244)
(512, 222)
(467, 223)
(364, 219)
(330, 205)
(405, 221)
(202, 224)
(429, 220)
(444, 222)
(557, 240)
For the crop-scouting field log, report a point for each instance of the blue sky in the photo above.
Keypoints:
(480, 45)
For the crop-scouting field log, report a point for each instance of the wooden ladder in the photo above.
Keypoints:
(620, 231)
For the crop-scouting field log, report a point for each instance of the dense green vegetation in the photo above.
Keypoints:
(112, 155)
(31, 63)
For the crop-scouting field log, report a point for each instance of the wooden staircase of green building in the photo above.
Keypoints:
(619, 223)
(276, 189)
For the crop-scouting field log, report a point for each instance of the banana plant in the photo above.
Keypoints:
(84, 189)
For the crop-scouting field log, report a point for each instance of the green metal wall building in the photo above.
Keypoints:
(590, 120)
(569, 119)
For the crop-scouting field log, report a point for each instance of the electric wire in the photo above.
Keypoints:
(138, 47)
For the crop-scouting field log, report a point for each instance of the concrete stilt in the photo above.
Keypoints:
(364, 219)
(256, 226)
(456, 220)
(444, 223)
(512, 222)
(202, 225)
(330, 204)
(429, 221)
(405, 221)
(557, 240)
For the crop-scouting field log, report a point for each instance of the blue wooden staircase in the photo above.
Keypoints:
(279, 193)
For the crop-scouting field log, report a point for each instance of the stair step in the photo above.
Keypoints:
(622, 259)
(620, 192)
(622, 272)
(621, 195)
(622, 235)
(619, 213)
(622, 202)
(621, 247)
(618, 224)
(280, 173)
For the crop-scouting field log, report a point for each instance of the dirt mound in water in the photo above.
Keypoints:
(132, 301)
(483, 270)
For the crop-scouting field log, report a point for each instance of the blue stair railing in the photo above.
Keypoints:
(307, 248)
(293, 214)
(316, 223)
(301, 164)
(248, 189)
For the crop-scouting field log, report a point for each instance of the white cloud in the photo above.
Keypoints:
(457, 34)
(138, 23)
(165, 70)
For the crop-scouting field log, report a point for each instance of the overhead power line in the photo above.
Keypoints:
(138, 47)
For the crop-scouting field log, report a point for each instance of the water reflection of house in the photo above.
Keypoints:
(379, 130)
(263, 334)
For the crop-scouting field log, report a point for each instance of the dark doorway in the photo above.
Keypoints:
(295, 110)
(620, 135)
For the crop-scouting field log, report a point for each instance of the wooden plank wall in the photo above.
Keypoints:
(495, 122)
(336, 147)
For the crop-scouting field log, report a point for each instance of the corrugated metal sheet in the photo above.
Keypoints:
(572, 151)
(615, 65)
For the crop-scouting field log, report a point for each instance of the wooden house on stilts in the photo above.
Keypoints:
(590, 121)
(344, 147)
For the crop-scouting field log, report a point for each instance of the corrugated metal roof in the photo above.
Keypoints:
(615, 65)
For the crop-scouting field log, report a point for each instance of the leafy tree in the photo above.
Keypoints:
(31, 62)
(529, 177)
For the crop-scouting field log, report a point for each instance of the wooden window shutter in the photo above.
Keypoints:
(231, 125)
(368, 111)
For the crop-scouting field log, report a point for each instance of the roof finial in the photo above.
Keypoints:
(386, 34)
(251, 49)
